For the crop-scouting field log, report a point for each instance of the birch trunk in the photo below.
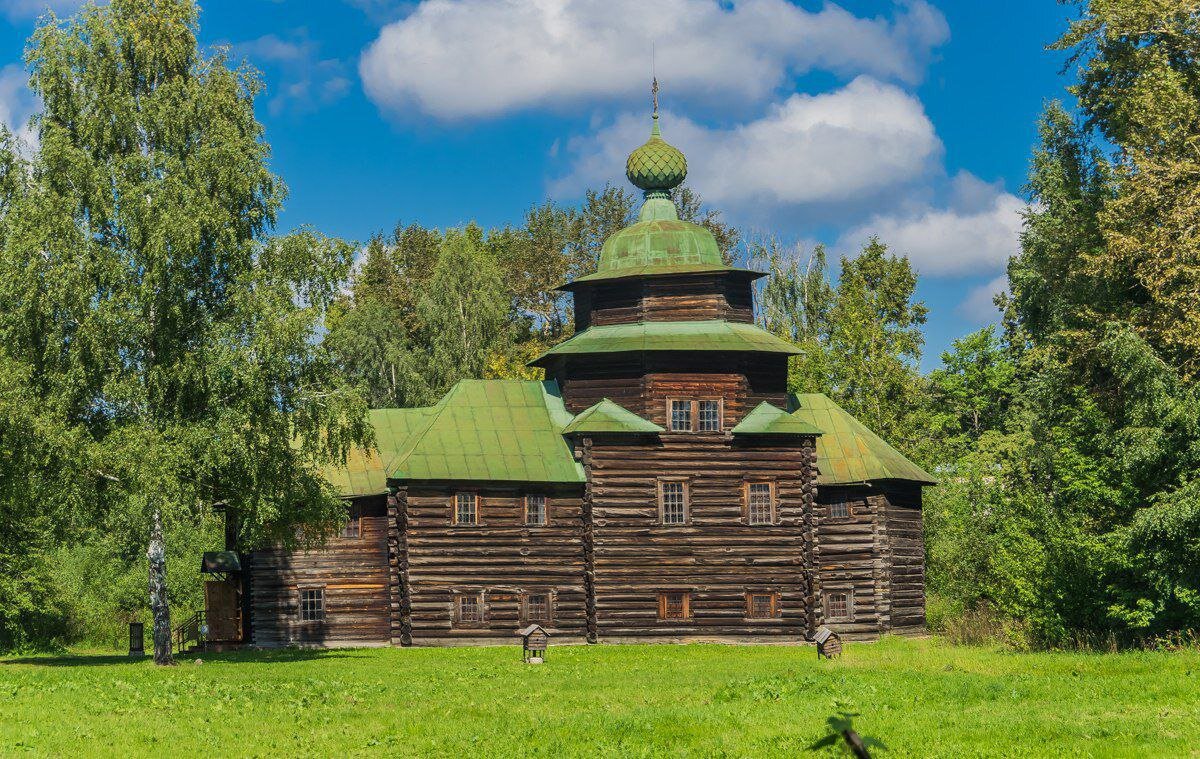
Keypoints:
(158, 593)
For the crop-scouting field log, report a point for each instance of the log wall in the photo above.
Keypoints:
(717, 557)
(500, 558)
(677, 298)
(905, 544)
(353, 573)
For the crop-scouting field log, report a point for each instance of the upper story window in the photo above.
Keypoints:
(710, 416)
(352, 528)
(466, 508)
(760, 502)
(535, 510)
(681, 416)
(839, 509)
(694, 416)
(673, 501)
(312, 604)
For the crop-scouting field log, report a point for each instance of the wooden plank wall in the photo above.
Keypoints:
(500, 557)
(354, 573)
(905, 541)
(717, 557)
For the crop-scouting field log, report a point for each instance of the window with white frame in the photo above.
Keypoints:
(839, 509)
(760, 502)
(672, 495)
(312, 604)
(681, 416)
(710, 416)
(466, 508)
(535, 510)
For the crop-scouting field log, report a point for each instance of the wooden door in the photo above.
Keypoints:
(223, 610)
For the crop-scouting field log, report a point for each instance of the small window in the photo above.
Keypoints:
(681, 416)
(674, 605)
(312, 604)
(710, 416)
(468, 609)
(839, 606)
(839, 510)
(535, 510)
(466, 508)
(672, 498)
(760, 502)
(762, 605)
(537, 608)
(352, 528)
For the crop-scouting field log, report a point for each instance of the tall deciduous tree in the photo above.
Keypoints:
(144, 301)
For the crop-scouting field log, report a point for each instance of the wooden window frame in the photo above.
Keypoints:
(694, 416)
(548, 621)
(324, 604)
(454, 508)
(687, 502)
(774, 596)
(840, 501)
(662, 605)
(456, 600)
(720, 415)
(748, 512)
(357, 523)
(829, 594)
(545, 510)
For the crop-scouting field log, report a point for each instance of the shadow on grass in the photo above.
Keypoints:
(255, 656)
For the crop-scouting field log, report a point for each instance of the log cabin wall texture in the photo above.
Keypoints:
(352, 572)
(500, 560)
(717, 557)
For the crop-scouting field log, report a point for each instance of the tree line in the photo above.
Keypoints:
(166, 354)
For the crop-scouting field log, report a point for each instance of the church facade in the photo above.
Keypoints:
(661, 484)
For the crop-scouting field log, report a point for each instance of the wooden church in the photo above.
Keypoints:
(661, 484)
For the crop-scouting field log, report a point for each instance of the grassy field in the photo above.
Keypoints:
(920, 697)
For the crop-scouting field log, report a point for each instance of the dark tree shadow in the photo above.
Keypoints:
(246, 656)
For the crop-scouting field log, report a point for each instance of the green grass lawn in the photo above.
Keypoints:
(920, 697)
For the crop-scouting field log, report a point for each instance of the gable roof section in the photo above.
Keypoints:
(766, 419)
(365, 472)
(848, 452)
(708, 335)
(492, 430)
(607, 416)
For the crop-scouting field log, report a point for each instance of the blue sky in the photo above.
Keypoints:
(807, 121)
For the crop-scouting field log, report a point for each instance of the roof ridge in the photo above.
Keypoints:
(418, 435)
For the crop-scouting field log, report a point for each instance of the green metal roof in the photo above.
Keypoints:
(766, 419)
(492, 430)
(848, 452)
(366, 471)
(607, 416)
(709, 335)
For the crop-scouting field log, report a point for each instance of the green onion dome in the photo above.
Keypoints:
(656, 166)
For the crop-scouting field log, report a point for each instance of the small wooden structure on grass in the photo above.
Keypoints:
(829, 643)
(534, 641)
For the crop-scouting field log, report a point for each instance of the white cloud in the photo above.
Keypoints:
(977, 232)
(979, 305)
(304, 79)
(26, 9)
(479, 58)
(830, 148)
